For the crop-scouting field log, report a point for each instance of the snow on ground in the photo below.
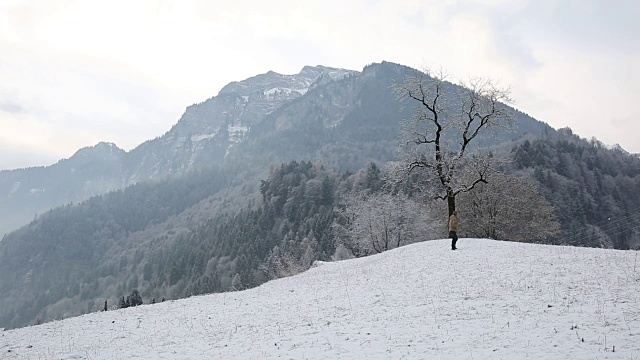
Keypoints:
(488, 300)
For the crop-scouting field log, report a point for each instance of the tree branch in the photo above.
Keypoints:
(469, 188)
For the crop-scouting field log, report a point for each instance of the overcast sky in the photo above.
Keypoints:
(74, 73)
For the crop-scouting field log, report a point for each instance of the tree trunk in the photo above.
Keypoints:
(451, 201)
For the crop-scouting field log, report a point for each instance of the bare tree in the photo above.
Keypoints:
(438, 138)
(381, 222)
(509, 208)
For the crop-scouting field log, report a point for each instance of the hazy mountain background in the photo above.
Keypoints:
(253, 176)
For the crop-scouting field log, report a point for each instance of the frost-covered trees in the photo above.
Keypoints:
(508, 208)
(594, 190)
(281, 263)
(380, 222)
(438, 138)
(236, 282)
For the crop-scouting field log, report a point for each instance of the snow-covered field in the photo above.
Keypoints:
(488, 300)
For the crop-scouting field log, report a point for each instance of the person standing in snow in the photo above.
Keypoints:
(453, 229)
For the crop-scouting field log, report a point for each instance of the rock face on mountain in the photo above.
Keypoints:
(208, 131)
(268, 118)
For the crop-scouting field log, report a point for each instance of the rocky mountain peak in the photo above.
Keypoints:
(294, 85)
(100, 151)
(322, 79)
(617, 147)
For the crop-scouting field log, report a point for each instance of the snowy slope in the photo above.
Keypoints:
(489, 300)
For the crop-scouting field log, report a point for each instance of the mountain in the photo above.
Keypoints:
(490, 299)
(207, 132)
(276, 118)
(28, 192)
(203, 136)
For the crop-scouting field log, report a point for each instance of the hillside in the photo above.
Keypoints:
(174, 238)
(490, 300)
(595, 191)
(27, 192)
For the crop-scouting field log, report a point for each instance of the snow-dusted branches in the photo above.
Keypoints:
(508, 208)
(448, 118)
(483, 106)
(377, 223)
(281, 264)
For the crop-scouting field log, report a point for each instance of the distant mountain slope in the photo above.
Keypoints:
(71, 255)
(488, 300)
(202, 137)
(27, 192)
